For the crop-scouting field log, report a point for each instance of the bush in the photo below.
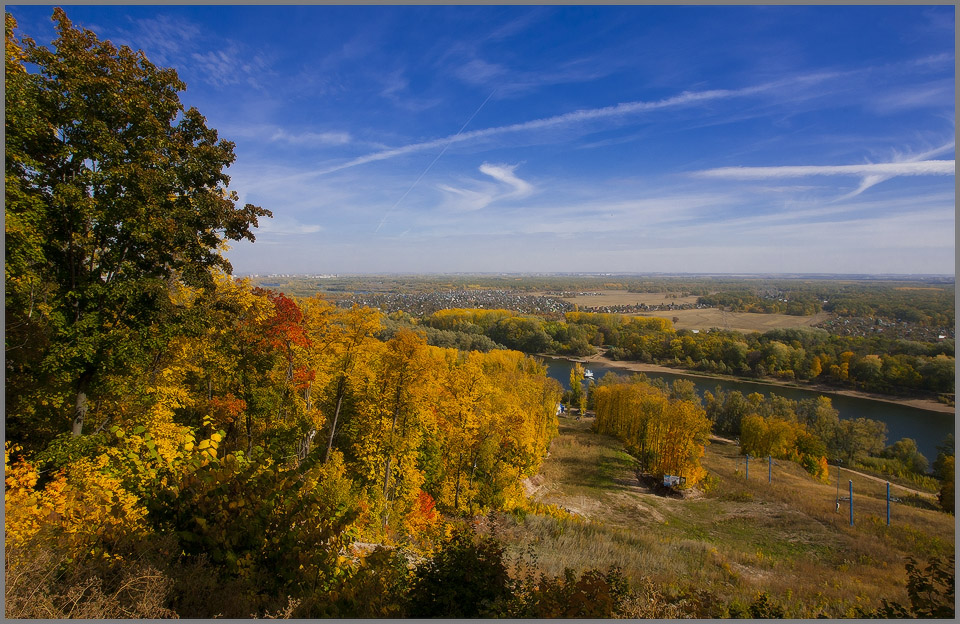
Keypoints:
(375, 590)
(42, 584)
(762, 608)
(467, 578)
(594, 595)
(932, 592)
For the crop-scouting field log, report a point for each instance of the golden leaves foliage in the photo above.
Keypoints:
(215, 444)
(465, 428)
(783, 439)
(458, 319)
(83, 509)
(666, 435)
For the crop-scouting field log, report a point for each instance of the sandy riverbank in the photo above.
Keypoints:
(640, 367)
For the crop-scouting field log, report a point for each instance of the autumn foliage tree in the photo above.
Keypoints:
(666, 435)
(232, 441)
(113, 190)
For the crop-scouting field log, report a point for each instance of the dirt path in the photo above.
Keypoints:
(892, 485)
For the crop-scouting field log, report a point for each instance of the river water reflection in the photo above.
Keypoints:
(928, 428)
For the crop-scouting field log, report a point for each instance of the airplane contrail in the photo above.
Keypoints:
(420, 177)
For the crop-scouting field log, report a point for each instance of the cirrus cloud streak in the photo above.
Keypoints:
(924, 167)
(581, 116)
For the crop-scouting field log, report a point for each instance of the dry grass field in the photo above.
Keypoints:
(737, 538)
(707, 318)
(702, 319)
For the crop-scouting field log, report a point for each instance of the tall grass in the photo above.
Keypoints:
(740, 538)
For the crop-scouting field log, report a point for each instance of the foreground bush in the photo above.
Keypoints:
(931, 591)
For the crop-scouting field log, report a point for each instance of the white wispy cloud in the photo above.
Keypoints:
(935, 94)
(511, 82)
(478, 71)
(504, 173)
(482, 195)
(229, 66)
(575, 117)
(313, 138)
(282, 225)
(395, 87)
(165, 39)
(467, 199)
(870, 174)
(925, 167)
(876, 178)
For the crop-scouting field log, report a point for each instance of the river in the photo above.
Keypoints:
(927, 427)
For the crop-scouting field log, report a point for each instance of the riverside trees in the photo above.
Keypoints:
(875, 363)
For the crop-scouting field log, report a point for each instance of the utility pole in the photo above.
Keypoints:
(770, 469)
(888, 503)
(748, 467)
(851, 502)
(839, 461)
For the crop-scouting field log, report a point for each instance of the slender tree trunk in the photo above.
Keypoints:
(456, 495)
(81, 405)
(393, 429)
(336, 415)
(473, 472)
(386, 474)
(249, 420)
(79, 413)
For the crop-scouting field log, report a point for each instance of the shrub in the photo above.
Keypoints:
(467, 578)
(375, 590)
(762, 607)
(932, 592)
(594, 595)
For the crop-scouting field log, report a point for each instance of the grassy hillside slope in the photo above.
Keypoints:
(726, 544)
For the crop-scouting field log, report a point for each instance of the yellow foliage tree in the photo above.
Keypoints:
(667, 436)
(83, 511)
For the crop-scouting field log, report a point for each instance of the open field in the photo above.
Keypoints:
(701, 319)
(706, 318)
(734, 540)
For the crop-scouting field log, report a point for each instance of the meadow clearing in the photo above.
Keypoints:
(705, 318)
(699, 318)
(730, 539)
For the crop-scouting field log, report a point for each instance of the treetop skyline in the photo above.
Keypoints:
(639, 139)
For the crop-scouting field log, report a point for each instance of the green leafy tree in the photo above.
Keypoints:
(576, 385)
(947, 485)
(113, 190)
(858, 438)
(945, 450)
(905, 451)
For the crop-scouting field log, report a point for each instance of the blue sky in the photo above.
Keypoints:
(812, 139)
